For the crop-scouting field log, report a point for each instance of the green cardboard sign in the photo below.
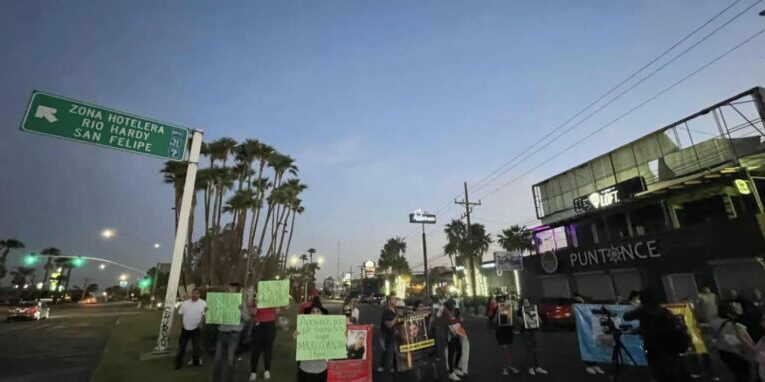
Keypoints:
(273, 294)
(320, 337)
(224, 308)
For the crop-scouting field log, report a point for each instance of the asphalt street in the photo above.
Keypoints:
(558, 352)
(65, 347)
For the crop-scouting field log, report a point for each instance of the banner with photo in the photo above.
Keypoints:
(530, 317)
(416, 344)
(414, 333)
(595, 325)
(685, 312)
(358, 366)
(506, 313)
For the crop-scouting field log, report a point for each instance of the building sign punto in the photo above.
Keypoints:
(614, 254)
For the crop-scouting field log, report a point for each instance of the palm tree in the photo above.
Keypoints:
(516, 238)
(7, 245)
(21, 277)
(468, 247)
(175, 174)
(220, 150)
(297, 211)
(290, 191)
(49, 262)
(392, 256)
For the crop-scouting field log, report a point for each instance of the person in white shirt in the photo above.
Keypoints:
(193, 312)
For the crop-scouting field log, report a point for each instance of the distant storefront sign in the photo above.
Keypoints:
(419, 216)
(369, 269)
(508, 261)
(610, 196)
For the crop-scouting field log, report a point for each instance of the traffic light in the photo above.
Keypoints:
(78, 262)
(145, 282)
(30, 260)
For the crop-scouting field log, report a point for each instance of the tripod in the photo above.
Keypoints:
(617, 355)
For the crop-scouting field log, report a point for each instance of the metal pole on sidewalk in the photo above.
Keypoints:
(425, 263)
(178, 248)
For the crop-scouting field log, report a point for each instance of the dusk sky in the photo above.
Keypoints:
(387, 106)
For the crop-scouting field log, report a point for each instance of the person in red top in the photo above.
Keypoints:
(313, 299)
(262, 338)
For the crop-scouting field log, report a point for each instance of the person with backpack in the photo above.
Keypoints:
(665, 338)
(732, 341)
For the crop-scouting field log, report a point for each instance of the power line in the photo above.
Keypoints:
(618, 96)
(662, 92)
(490, 178)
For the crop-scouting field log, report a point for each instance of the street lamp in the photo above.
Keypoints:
(102, 266)
(108, 233)
(123, 277)
(320, 260)
(293, 260)
(156, 245)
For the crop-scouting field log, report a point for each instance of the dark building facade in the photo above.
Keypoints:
(678, 209)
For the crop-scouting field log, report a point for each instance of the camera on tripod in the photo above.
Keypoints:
(607, 323)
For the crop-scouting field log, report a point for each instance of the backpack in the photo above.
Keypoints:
(676, 337)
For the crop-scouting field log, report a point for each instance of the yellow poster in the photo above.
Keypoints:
(685, 311)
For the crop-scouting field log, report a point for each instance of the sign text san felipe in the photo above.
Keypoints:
(69, 119)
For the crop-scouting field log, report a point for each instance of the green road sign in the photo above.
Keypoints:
(69, 119)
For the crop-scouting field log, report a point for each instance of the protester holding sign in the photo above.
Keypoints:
(223, 309)
(529, 326)
(262, 337)
(316, 343)
(505, 333)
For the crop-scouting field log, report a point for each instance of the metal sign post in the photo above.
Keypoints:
(420, 217)
(178, 247)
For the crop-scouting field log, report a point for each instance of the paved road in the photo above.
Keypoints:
(559, 354)
(65, 347)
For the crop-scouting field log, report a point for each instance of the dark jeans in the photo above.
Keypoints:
(667, 367)
(225, 356)
(194, 335)
(455, 352)
(738, 366)
(532, 349)
(262, 342)
(389, 354)
(308, 377)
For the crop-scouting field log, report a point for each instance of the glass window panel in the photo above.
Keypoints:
(712, 147)
(646, 149)
(682, 161)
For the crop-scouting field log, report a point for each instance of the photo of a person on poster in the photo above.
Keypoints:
(530, 316)
(356, 345)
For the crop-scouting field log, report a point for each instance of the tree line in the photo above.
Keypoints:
(250, 194)
(463, 247)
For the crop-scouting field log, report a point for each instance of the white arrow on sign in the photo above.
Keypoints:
(46, 112)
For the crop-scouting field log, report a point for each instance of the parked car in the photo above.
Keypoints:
(34, 310)
(557, 312)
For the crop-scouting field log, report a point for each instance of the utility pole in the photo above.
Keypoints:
(471, 259)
